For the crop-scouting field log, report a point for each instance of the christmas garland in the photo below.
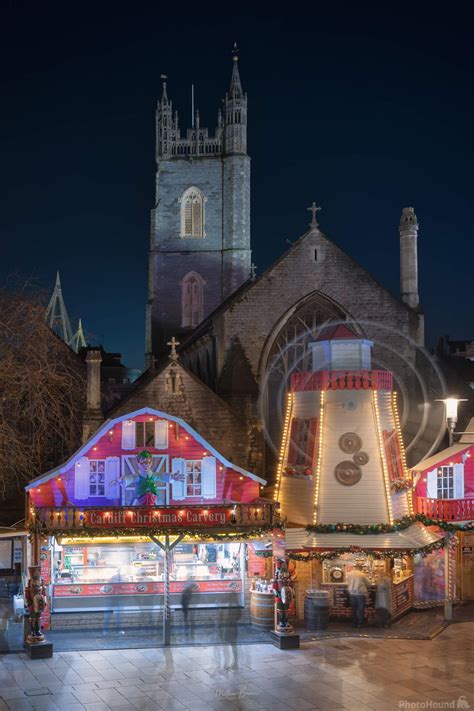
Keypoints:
(200, 534)
(337, 552)
(398, 525)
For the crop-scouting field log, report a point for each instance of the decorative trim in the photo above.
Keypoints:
(109, 424)
(397, 525)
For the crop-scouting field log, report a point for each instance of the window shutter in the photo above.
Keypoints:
(208, 477)
(294, 439)
(161, 434)
(311, 443)
(81, 479)
(112, 473)
(432, 484)
(459, 481)
(128, 434)
(177, 487)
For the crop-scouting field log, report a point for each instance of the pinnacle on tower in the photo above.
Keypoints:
(235, 89)
(164, 94)
(56, 315)
(78, 340)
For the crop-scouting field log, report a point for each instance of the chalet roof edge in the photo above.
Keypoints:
(62, 468)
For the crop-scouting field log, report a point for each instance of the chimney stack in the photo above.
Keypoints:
(93, 417)
(409, 257)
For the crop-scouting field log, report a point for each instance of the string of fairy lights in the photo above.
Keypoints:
(401, 448)
(317, 474)
(284, 444)
(383, 456)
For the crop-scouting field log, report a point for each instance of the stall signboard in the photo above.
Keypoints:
(166, 517)
(468, 545)
(402, 596)
(145, 588)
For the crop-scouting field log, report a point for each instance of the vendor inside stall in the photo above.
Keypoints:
(399, 570)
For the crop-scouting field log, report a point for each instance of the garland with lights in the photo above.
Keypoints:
(398, 525)
(198, 534)
(337, 552)
(388, 553)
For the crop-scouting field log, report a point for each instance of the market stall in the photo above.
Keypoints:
(122, 528)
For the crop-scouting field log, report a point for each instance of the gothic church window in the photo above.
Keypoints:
(192, 213)
(192, 300)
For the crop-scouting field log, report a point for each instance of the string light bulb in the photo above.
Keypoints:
(319, 460)
(383, 457)
(284, 445)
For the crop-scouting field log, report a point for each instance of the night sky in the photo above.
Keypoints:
(363, 109)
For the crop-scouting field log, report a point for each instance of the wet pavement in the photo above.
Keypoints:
(419, 624)
(330, 674)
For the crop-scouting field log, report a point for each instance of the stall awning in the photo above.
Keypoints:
(415, 536)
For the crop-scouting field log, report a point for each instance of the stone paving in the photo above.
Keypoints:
(355, 674)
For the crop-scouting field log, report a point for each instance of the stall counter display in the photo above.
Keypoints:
(104, 576)
(334, 576)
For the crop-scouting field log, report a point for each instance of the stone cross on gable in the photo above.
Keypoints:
(173, 343)
(253, 271)
(314, 209)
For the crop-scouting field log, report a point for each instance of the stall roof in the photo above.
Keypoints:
(415, 536)
(435, 459)
(128, 416)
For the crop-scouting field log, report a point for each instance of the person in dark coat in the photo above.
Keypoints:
(185, 603)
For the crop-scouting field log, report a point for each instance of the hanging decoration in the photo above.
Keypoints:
(400, 485)
(194, 533)
(398, 525)
(379, 554)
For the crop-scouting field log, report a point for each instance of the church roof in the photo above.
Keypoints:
(248, 285)
(336, 332)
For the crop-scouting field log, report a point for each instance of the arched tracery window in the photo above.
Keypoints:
(192, 288)
(192, 213)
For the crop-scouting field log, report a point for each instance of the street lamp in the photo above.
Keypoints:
(451, 414)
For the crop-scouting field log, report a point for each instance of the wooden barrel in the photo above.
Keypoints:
(316, 609)
(262, 606)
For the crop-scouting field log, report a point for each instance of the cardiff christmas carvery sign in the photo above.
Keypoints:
(167, 517)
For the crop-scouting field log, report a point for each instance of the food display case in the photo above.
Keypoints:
(129, 575)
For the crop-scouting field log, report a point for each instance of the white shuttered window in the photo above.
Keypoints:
(208, 478)
(177, 486)
(81, 479)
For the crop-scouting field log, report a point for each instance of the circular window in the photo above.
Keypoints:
(350, 442)
(348, 473)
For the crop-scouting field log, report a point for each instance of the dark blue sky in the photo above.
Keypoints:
(364, 109)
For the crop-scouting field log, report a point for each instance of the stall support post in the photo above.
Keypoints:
(166, 547)
(166, 595)
(448, 603)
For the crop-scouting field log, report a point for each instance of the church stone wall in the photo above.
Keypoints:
(173, 178)
(255, 316)
(197, 405)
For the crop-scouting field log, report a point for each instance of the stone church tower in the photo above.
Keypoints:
(200, 226)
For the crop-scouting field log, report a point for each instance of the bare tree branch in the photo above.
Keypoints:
(42, 392)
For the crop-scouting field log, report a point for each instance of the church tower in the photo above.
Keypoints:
(200, 226)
